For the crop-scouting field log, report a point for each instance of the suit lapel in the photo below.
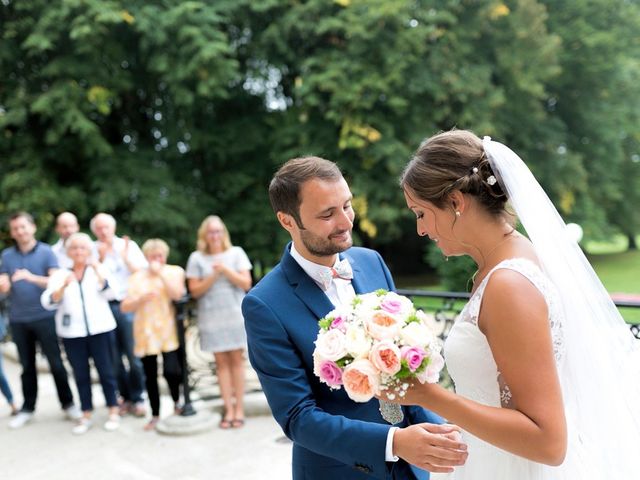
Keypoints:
(304, 287)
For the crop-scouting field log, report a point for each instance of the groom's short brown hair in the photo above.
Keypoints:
(284, 189)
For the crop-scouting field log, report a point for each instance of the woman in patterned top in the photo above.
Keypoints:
(150, 295)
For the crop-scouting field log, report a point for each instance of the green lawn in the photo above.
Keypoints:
(620, 273)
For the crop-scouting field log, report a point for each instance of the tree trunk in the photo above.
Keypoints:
(632, 242)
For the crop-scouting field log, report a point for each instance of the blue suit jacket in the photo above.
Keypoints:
(334, 437)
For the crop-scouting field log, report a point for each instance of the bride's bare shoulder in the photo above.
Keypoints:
(510, 296)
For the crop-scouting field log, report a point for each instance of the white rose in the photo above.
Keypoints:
(331, 345)
(317, 362)
(430, 321)
(416, 334)
(368, 303)
(356, 342)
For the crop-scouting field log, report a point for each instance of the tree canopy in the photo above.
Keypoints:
(162, 112)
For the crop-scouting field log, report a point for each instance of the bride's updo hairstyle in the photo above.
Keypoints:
(454, 160)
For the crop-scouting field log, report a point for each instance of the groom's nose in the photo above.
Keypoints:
(345, 220)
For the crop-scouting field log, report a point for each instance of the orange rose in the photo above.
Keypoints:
(361, 380)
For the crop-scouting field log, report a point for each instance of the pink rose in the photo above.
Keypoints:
(330, 373)
(339, 323)
(431, 374)
(361, 380)
(391, 305)
(413, 356)
(396, 304)
(385, 356)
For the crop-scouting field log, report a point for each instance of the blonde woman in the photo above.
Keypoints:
(150, 295)
(218, 276)
(80, 295)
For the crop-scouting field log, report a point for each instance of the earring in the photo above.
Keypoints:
(446, 259)
(458, 213)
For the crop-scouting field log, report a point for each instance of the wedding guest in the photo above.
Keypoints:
(150, 295)
(218, 275)
(85, 323)
(4, 383)
(66, 225)
(24, 273)
(122, 257)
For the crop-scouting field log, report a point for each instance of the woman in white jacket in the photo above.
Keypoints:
(85, 323)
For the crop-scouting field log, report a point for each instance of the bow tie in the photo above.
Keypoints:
(341, 270)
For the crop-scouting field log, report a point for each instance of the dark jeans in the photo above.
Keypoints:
(98, 347)
(4, 384)
(25, 336)
(130, 383)
(172, 372)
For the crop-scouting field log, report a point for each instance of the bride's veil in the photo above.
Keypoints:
(600, 365)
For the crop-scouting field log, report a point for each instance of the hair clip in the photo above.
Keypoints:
(491, 180)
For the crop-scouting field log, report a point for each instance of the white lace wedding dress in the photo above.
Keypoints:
(475, 374)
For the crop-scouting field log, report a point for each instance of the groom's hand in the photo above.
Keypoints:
(435, 448)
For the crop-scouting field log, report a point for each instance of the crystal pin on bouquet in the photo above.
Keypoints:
(377, 344)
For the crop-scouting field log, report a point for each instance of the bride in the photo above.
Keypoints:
(546, 372)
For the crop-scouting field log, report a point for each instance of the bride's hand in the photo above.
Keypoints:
(417, 394)
(435, 448)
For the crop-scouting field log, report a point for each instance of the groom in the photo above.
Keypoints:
(333, 436)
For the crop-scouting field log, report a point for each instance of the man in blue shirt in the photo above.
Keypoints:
(23, 275)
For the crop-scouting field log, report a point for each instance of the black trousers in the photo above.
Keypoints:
(172, 372)
(25, 336)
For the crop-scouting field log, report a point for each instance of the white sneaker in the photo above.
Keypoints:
(72, 413)
(112, 423)
(20, 420)
(82, 427)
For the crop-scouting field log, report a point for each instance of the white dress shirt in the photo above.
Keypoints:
(116, 266)
(61, 254)
(340, 292)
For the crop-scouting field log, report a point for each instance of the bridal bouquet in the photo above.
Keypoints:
(376, 344)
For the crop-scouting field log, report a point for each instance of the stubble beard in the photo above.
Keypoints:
(323, 247)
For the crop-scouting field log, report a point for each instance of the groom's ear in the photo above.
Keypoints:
(286, 221)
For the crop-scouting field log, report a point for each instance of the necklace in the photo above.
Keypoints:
(507, 236)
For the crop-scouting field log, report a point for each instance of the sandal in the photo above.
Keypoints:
(226, 424)
(237, 422)
(152, 424)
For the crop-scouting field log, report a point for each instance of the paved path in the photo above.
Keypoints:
(46, 449)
